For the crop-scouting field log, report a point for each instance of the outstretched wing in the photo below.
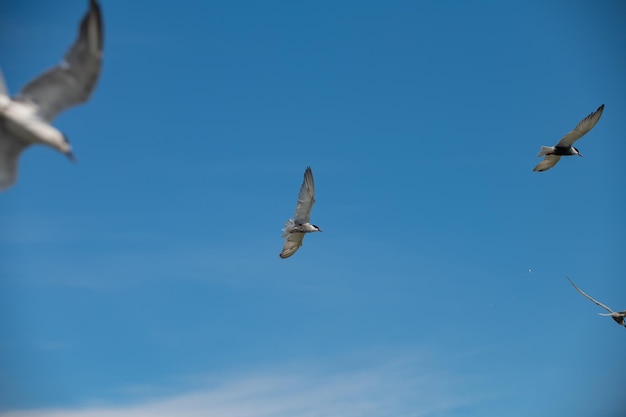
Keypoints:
(306, 198)
(73, 80)
(581, 128)
(548, 162)
(293, 241)
(10, 149)
(595, 301)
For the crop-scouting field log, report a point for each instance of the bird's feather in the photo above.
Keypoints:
(3, 85)
(73, 80)
(548, 162)
(581, 128)
(588, 297)
(545, 150)
(306, 198)
(293, 241)
(10, 149)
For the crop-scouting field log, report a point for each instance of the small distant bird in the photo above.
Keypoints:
(618, 316)
(25, 119)
(294, 229)
(564, 147)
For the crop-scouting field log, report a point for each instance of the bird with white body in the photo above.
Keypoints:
(25, 119)
(295, 229)
(618, 316)
(564, 148)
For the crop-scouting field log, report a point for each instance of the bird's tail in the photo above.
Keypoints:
(545, 150)
(288, 227)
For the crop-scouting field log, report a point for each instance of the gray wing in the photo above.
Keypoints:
(73, 80)
(306, 198)
(293, 241)
(10, 149)
(548, 162)
(581, 128)
(586, 296)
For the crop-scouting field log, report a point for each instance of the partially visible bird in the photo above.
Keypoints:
(618, 316)
(564, 147)
(25, 119)
(294, 229)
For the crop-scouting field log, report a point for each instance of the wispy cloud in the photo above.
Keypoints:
(400, 390)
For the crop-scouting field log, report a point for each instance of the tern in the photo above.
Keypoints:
(564, 148)
(295, 229)
(618, 316)
(25, 119)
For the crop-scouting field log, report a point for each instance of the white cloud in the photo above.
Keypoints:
(403, 389)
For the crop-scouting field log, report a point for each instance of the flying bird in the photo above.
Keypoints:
(618, 316)
(564, 148)
(25, 119)
(295, 229)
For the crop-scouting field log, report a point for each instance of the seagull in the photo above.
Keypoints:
(618, 316)
(25, 119)
(294, 229)
(564, 147)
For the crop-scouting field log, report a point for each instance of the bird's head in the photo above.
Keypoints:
(577, 152)
(317, 229)
(51, 136)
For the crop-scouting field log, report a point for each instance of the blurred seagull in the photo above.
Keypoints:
(564, 147)
(294, 229)
(618, 316)
(25, 119)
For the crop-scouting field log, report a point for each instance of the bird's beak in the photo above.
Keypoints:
(580, 154)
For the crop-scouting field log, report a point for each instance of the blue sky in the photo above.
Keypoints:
(145, 279)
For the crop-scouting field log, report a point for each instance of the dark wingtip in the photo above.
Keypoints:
(599, 111)
(71, 157)
(308, 172)
(96, 11)
(94, 6)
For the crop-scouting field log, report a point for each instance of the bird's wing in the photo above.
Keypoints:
(581, 128)
(292, 244)
(595, 301)
(73, 80)
(3, 85)
(306, 198)
(548, 162)
(10, 149)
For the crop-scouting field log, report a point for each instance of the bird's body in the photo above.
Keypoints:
(295, 229)
(20, 120)
(618, 316)
(564, 148)
(561, 150)
(25, 119)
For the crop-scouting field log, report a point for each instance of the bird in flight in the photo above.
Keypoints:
(25, 119)
(295, 229)
(618, 316)
(564, 148)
